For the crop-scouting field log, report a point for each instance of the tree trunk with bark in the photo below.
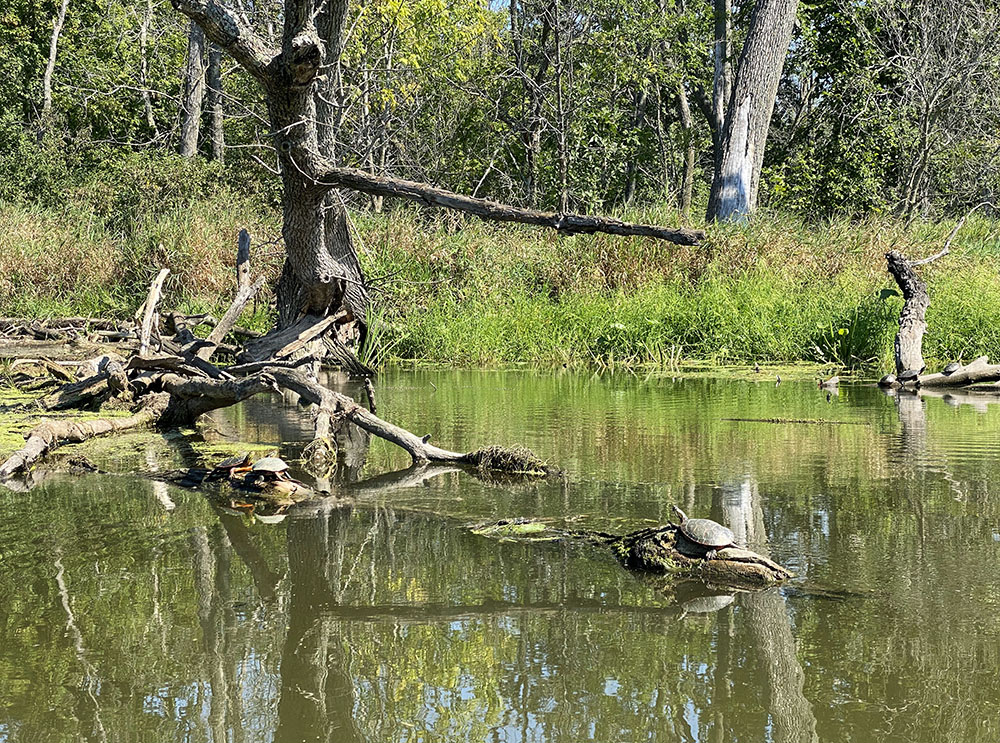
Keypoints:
(216, 116)
(322, 275)
(194, 92)
(740, 154)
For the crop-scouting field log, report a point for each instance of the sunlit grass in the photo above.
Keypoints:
(460, 291)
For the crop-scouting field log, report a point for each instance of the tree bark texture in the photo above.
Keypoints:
(722, 75)
(194, 91)
(216, 116)
(908, 346)
(748, 112)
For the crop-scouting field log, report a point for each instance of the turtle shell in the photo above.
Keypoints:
(953, 367)
(240, 460)
(270, 464)
(707, 533)
(909, 375)
(887, 381)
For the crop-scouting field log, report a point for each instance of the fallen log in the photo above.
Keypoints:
(243, 297)
(49, 434)
(148, 310)
(342, 406)
(655, 550)
(978, 371)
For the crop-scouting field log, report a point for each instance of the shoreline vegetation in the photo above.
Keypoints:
(453, 290)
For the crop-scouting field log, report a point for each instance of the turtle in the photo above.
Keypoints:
(828, 383)
(229, 467)
(910, 375)
(705, 533)
(269, 468)
(953, 367)
(888, 380)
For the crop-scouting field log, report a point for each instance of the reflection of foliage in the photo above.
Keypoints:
(413, 627)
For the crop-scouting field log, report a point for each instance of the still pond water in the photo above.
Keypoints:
(136, 611)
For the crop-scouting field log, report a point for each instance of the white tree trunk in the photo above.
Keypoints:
(50, 65)
(748, 113)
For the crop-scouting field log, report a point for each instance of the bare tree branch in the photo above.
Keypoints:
(223, 26)
(323, 174)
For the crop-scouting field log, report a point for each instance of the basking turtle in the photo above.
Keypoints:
(711, 535)
(910, 375)
(953, 367)
(888, 380)
(270, 468)
(829, 383)
(229, 467)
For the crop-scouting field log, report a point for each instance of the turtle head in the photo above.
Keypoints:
(680, 514)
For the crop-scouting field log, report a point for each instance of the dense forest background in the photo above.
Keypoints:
(133, 144)
(887, 107)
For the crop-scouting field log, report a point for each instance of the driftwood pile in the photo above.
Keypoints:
(164, 375)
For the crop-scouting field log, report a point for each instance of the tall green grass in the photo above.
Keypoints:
(459, 291)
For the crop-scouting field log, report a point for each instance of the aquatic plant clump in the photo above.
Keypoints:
(515, 460)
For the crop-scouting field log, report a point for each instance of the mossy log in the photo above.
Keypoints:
(659, 550)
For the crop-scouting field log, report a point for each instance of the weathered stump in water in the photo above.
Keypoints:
(908, 345)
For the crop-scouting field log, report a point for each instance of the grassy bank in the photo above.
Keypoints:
(465, 292)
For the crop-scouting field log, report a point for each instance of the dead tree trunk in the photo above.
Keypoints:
(908, 345)
(50, 65)
(216, 117)
(194, 91)
(748, 111)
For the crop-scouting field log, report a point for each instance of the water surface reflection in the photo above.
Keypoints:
(376, 615)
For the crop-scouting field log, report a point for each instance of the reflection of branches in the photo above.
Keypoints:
(264, 578)
(89, 672)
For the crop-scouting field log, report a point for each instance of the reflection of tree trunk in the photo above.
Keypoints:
(85, 697)
(769, 627)
(317, 695)
(723, 674)
(205, 577)
(265, 580)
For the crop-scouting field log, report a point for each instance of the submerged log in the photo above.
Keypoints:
(49, 434)
(659, 550)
